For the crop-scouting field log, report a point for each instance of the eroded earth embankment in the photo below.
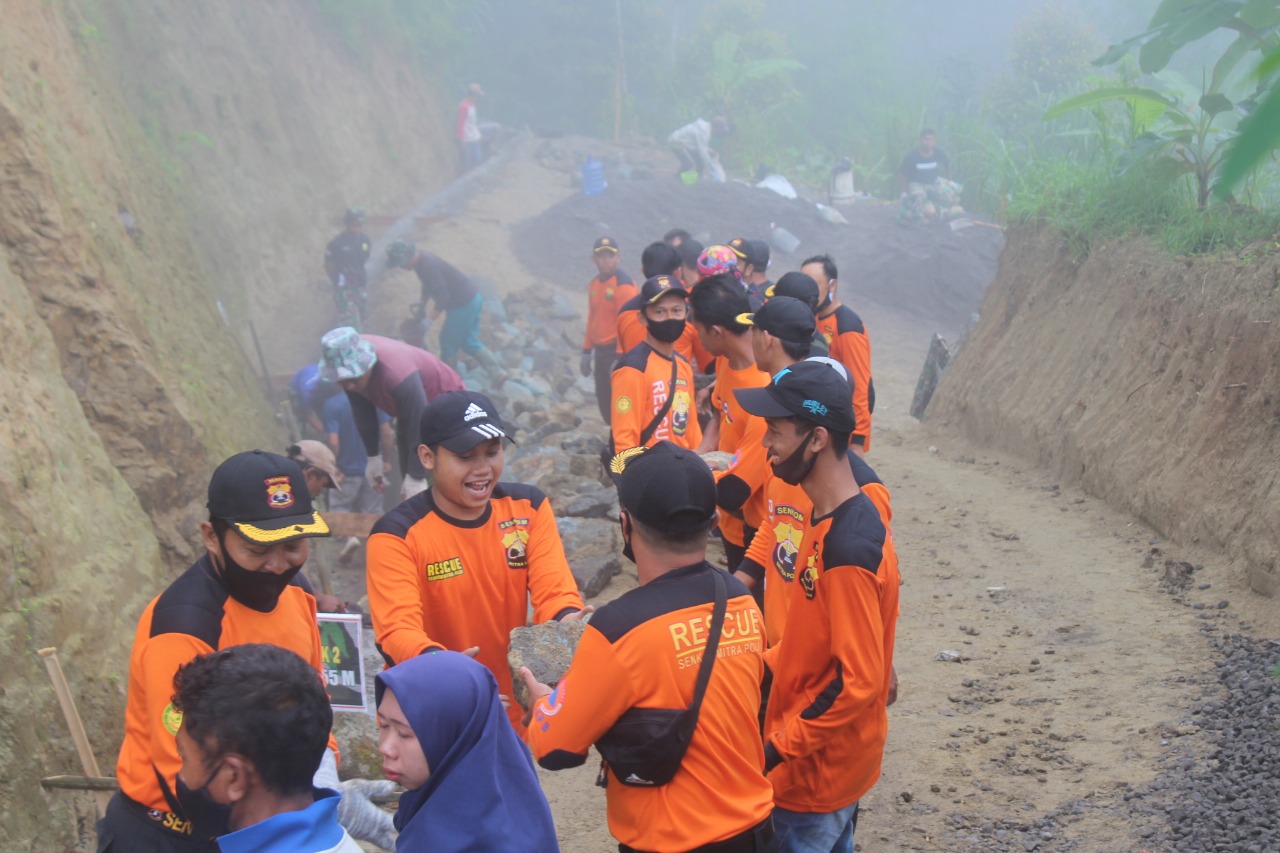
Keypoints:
(1150, 380)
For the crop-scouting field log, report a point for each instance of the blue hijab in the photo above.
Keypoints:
(483, 793)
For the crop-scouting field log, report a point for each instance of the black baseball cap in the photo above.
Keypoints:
(783, 317)
(665, 487)
(605, 244)
(812, 390)
(759, 253)
(741, 247)
(659, 286)
(797, 285)
(264, 497)
(460, 420)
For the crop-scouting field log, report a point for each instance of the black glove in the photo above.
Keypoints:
(771, 757)
(584, 366)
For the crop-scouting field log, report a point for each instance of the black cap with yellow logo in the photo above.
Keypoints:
(605, 244)
(264, 497)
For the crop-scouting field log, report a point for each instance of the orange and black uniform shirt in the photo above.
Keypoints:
(826, 715)
(643, 650)
(740, 487)
(194, 616)
(604, 298)
(846, 336)
(641, 385)
(771, 559)
(631, 333)
(437, 582)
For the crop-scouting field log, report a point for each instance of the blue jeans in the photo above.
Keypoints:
(461, 330)
(817, 832)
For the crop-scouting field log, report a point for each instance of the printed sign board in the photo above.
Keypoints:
(343, 661)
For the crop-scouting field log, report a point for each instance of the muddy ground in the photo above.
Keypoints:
(1081, 665)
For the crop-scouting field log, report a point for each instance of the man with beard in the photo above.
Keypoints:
(653, 383)
(244, 589)
(826, 724)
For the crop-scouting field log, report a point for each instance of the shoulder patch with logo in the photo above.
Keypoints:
(171, 718)
(623, 405)
(515, 541)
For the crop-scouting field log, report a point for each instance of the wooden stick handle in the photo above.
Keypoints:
(78, 734)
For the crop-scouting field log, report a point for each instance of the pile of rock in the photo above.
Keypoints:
(558, 434)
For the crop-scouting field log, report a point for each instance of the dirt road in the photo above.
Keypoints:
(1077, 669)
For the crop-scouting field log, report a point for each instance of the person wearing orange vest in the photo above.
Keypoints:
(457, 566)
(846, 336)
(653, 383)
(606, 294)
(246, 588)
(719, 305)
(826, 722)
(644, 651)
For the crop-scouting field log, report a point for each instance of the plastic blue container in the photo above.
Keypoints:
(593, 182)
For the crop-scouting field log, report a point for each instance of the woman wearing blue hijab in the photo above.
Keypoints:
(444, 735)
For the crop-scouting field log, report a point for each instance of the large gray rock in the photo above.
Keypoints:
(596, 502)
(594, 549)
(546, 649)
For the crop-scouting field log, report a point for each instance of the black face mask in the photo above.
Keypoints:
(258, 591)
(666, 331)
(826, 303)
(208, 817)
(794, 468)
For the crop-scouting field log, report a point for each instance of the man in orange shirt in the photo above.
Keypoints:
(653, 383)
(644, 651)
(455, 567)
(846, 336)
(246, 588)
(607, 292)
(659, 259)
(719, 305)
(825, 726)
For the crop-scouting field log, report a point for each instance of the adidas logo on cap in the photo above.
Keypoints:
(473, 411)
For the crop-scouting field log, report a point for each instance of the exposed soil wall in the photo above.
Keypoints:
(1150, 380)
(234, 135)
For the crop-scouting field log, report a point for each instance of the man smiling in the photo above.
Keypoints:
(454, 567)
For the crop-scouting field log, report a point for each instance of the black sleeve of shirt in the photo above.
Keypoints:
(365, 415)
(732, 492)
(411, 401)
(751, 569)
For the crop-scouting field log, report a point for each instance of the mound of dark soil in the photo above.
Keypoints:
(930, 271)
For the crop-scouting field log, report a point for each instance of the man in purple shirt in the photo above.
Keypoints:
(398, 378)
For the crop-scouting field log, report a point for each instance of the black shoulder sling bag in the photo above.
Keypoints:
(645, 746)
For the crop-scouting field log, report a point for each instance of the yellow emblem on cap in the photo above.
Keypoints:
(619, 463)
(623, 405)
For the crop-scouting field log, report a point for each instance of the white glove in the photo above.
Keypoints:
(358, 815)
(361, 817)
(411, 486)
(373, 470)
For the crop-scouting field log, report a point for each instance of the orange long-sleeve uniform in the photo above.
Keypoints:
(194, 616)
(438, 582)
(631, 333)
(771, 559)
(826, 716)
(846, 336)
(740, 487)
(641, 385)
(643, 650)
(604, 298)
